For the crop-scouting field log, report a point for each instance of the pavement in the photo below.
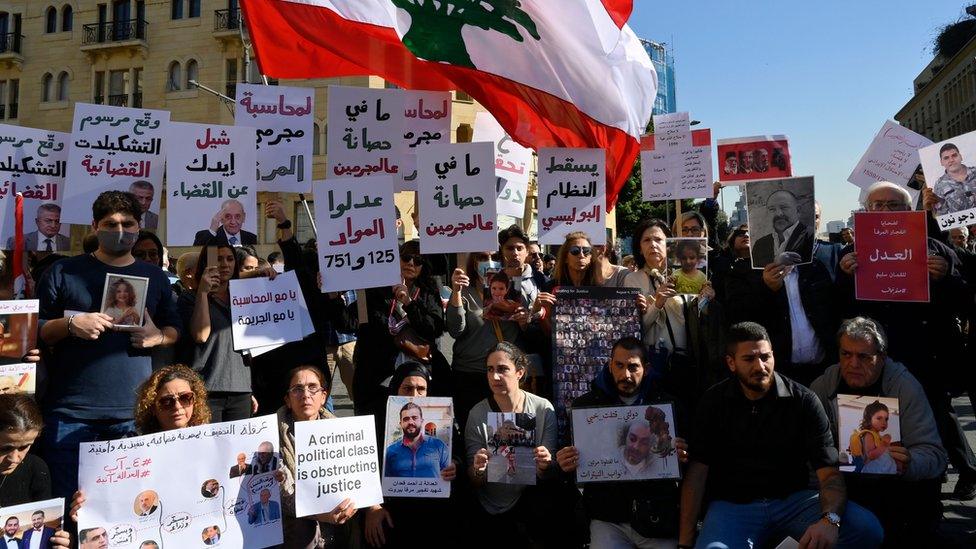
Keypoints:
(958, 528)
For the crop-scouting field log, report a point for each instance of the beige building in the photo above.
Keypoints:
(944, 104)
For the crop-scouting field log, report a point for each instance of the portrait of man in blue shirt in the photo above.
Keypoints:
(415, 455)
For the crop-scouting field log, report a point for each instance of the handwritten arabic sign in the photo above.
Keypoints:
(144, 488)
(584, 320)
(33, 162)
(572, 194)
(674, 174)
(266, 312)
(336, 460)
(752, 158)
(892, 256)
(427, 122)
(457, 198)
(892, 156)
(284, 118)
(365, 134)
(357, 219)
(950, 171)
(210, 181)
(625, 443)
(672, 131)
(513, 165)
(112, 148)
(417, 446)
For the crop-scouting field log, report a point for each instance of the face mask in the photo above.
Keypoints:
(117, 242)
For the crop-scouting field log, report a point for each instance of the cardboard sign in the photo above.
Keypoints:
(33, 163)
(572, 194)
(752, 158)
(284, 118)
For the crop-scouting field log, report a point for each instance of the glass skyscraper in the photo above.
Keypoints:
(664, 65)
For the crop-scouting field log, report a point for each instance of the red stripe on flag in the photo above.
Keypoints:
(294, 40)
(619, 10)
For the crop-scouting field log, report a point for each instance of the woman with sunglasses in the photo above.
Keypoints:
(474, 335)
(24, 477)
(206, 314)
(403, 323)
(308, 389)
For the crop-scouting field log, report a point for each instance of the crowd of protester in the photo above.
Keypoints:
(753, 363)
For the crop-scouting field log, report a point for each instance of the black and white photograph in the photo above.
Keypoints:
(782, 222)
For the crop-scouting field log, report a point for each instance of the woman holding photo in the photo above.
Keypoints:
(510, 508)
(308, 389)
(24, 477)
(206, 314)
(121, 303)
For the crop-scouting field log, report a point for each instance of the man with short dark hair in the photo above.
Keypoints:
(144, 193)
(624, 381)
(956, 189)
(47, 237)
(98, 369)
(415, 455)
(10, 529)
(93, 538)
(756, 437)
(865, 370)
(38, 536)
(513, 244)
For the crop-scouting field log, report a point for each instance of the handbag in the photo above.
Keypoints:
(656, 516)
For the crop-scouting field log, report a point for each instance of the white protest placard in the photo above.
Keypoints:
(336, 460)
(892, 156)
(456, 197)
(513, 165)
(356, 218)
(33, 162)
(284, 118)
(147, 488)
(365, 133)
(113, 148)
(572, 194)
(625, 443)
(210, 180)
(672, 131)
(656, 181)
(417, 446)
(427, 122)
(266, 312)
(675, 172)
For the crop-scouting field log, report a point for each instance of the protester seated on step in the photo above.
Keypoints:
(865, 369)
(95, 367)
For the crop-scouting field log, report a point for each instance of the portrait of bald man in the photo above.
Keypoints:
(227, 226)
(791, 230)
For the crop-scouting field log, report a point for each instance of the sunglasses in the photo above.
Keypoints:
(585, 250)
(411, 258)
(168, 402)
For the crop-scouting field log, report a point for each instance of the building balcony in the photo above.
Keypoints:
(118, 100)
(227, 25)
(10, 52)
(131, 35)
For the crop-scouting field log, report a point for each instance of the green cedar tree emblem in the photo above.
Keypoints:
(435, 25)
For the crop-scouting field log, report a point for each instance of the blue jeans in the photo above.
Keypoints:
(768, 521)
(60, 441)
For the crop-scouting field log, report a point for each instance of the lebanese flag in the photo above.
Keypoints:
(554, 73)
(17, 269)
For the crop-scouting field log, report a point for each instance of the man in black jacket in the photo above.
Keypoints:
(611, 507)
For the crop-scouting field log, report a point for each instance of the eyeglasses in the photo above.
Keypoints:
(411, 258)
(887, 205)
(692, 230)
(585, 250)
(299, 390)
(168, 402)
(145, 254)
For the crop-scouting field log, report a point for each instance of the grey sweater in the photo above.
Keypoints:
(498, 498)
(473, 336)
(918, 431)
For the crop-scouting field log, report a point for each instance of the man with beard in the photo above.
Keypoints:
(415, 455)
(635, 448)
(756, 437)
(731, 163)
(746, 159)
(10, 529)
(789, 233)
(621, 513)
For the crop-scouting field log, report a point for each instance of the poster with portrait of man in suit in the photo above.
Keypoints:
(782, 222)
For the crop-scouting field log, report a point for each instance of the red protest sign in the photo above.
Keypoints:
(892, 256)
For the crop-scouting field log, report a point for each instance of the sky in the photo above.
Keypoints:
(826, 74)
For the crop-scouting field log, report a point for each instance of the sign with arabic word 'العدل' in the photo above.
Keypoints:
(572, 194)
(456, 197)
(892, 256)
(284, 119)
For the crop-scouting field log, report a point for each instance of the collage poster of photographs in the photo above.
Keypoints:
(586, 323)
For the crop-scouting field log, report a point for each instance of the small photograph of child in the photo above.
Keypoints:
(499, 302)
(868, 427)
(688, 258)
(124, 299)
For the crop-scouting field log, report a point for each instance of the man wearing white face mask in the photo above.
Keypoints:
(97, 369)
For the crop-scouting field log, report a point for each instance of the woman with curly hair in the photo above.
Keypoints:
(172, 398)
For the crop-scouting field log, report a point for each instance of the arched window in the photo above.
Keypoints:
(51, 20)
(63, 87)
(47, 84)
(191, 72)
(67, 18)
(175, 79)
(316, 140)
